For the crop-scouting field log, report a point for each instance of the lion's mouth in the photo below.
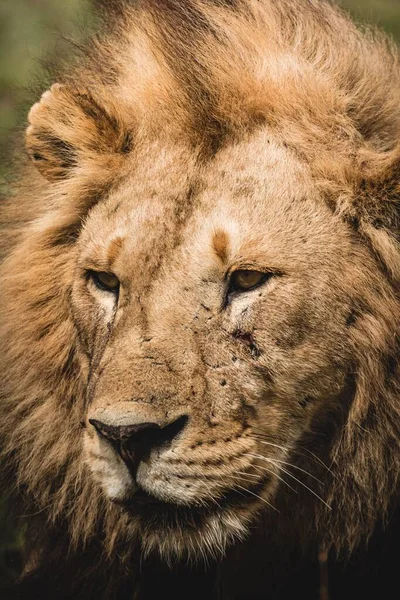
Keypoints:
(148, 506)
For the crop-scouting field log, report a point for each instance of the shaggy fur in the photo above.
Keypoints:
(188, 140)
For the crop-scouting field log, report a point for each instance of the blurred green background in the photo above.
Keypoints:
(32, 29)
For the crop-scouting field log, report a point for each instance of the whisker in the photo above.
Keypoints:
(249, 481)
(321, 462)
(269, 471)
(302, 448)
(274, 445)
(257, 496)
(277, 476)
(291, 475)
(248, 474)
(308, 488)
(290, 464)
(284, 462)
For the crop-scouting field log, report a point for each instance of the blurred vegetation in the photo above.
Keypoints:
(31, 29)
(384, 13)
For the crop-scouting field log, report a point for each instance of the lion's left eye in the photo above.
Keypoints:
(105, 281)
(243, 280)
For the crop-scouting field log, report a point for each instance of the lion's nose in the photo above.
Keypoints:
(122, 433)
(135, 442)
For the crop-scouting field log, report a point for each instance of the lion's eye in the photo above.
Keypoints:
(243, 280)
(105, 281)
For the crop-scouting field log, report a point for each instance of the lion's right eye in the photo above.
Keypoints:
(245, 280)
(105, 281)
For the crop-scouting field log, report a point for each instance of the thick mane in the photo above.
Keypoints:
(207, 72)
(210, 71)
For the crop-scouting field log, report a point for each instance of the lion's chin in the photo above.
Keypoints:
(195, 533)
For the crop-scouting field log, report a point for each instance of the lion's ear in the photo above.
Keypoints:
(68, 127)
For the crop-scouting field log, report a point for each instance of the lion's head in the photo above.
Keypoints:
(200, 283)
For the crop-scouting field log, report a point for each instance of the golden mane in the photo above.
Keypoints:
(209, 72)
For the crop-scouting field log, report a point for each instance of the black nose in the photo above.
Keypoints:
(134, 442)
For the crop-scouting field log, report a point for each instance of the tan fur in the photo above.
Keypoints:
(221, 245)
(191, 140)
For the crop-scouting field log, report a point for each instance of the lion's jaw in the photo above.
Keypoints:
(247, 373)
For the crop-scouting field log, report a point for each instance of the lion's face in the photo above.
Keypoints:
(199, 295)
(211, 307)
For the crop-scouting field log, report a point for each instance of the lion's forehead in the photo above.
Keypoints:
(255, 192)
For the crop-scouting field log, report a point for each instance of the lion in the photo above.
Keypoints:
(200, 308)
